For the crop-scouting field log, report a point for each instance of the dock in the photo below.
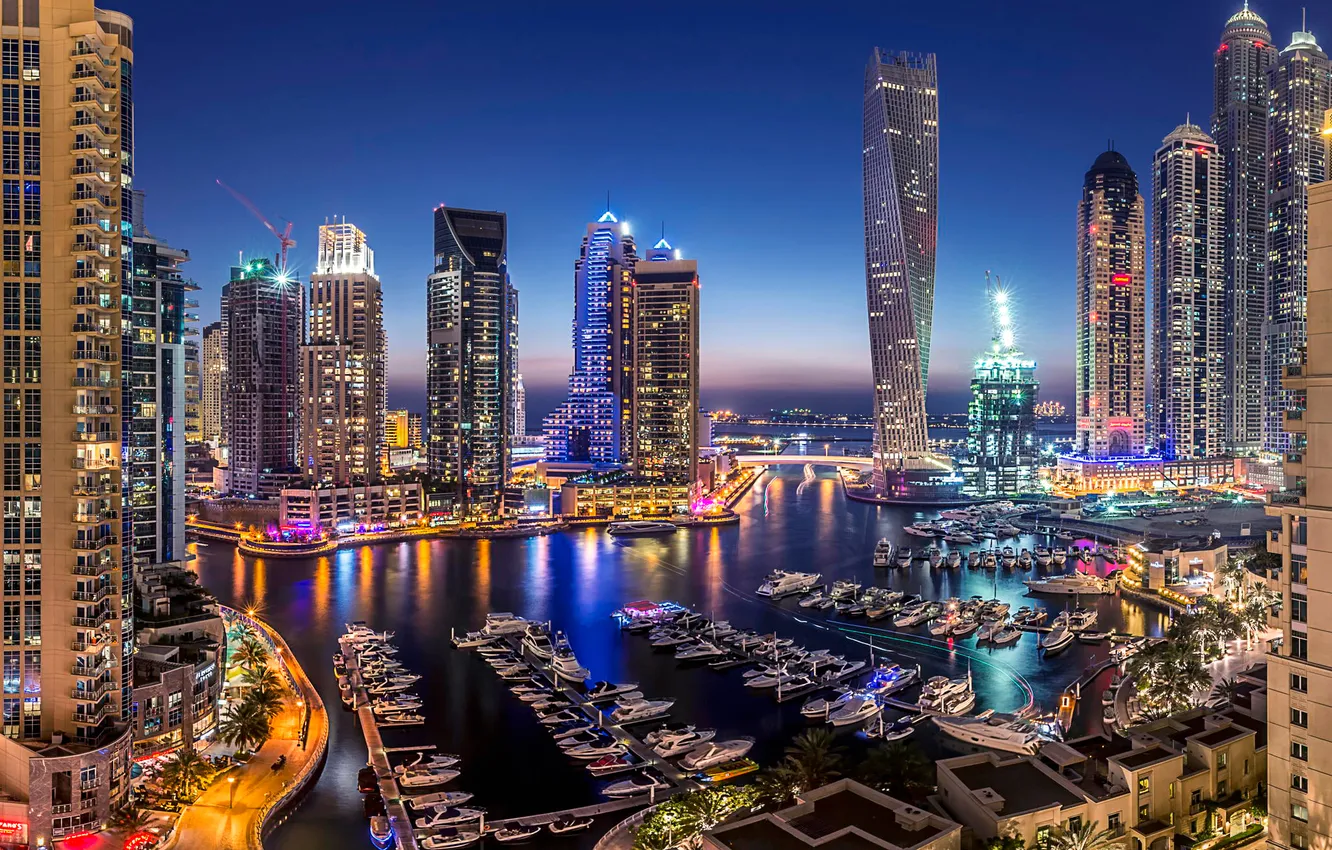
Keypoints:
(403, 837)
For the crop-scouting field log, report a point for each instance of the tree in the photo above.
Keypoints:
(814, 758)
(1168, 677)
(246, 727)
(267, 701)
(1011, 841)
(129, 818)
(186, 773)
(251, 654)
(1227, 688)
(1085, 837)
(899, 770)
(262, 679)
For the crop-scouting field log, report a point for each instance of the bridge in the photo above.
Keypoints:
(802, 460)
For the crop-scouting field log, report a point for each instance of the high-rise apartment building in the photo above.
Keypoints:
(1298, 95)
(468, 300)
(592, 423)
(519, 408)
(1111, 330)
(415, 435)
(1189, 296)
(343, 362)
(395, 429)
(1002, 450)
(664, 329)
(213, 382)
(193, 393)
(901, 197)
(1239, 126)
(1299, 679)
(264, 321)
(67, 435)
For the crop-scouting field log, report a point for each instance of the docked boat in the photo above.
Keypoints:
(922, 529)
(995, 731)
(448, 817)
(424, 762)
(471, 640)
(1058, 637)
(1058, 556)
(942, 695)
(437, 799)
(403, 718)
(666, 731)
(577, 739)
(511, 834)
(681, 744)
(903, 558)
(381, 832)
(426, 778)
(988, 560)
(933, 556)
(714, 753)
(859, 708)
(988, 629)
(1043, 556)
(784, 583)
(700, 651)
(820, 708)
(811, 599)
(1070, 585)
(597, 750)
(953, 559)
(561, 717)
(1082, 620)
(915, 615)
(964, 627)
(1005, 635)
(605, 690)
(499, 624)
(883, 553)
(641, 783)
(536, 641)
(568, 823)
(844, 589)
(638, 710)
(973, 559)
(629, 528)
(891, 678)
(882, 730)
(1008, 557)
(451, 838)
(959, 536)
(564, 664)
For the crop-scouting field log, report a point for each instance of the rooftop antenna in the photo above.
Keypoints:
(1187, 117)
(1304, 19)
(608, 200)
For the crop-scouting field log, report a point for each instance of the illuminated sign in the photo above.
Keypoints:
(1121, 280)
(13, 832)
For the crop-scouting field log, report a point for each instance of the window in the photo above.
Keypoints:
(32, 60)
(1222, 760)
(1144, 784)
(11, 625)
(9, 151)
(11, 202)
(1299, 812)
(1221, 789)
(1112, 821)
(1074, 823)
(32, 305)
(32, 202)
(9, 104)
(1299, 751)
(1299, 607)
(1299, 683)
(9, 65)
(1299, 840)
(32, 253)
(1299, 782)
(32, 154)
(11, 288)
(1144, 813)
(1043, 836)
(1299, 569)
(1299, 647)
(32, 413)
(1299, 717)
(32, 106)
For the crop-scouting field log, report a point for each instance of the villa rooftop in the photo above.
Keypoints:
(1143, 757)
(1020, 784)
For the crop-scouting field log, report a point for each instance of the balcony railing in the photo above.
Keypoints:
(92, 570)
(92, 671)
(97, 516)
(96, 381)
(95, 641)
(90, 622)
(1295, 415)
(91, 595)
(95, 409)
(95, 463)
(92, 718)
(93, 328)
(92, 221)
(94, 437)
(90, 544)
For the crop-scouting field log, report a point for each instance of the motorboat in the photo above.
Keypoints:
(515, 671)
(424, 762)
(666, 731)
(784, 582)
(1024, 559)
(698, 652)
(606, 690)
(1008, 557)
(448, 817)
(713, 753)
(537, 642)
(472, 640)
(903, 558)
(922, 529)
(943, 625)
(635, 711)
(891, 678)
(1082, 619)
(965, 626)
(959, 536)
(1058, 637)
(988, 560)
(1005, 635)
(883, 553)
(820, 707)
(564, 664)
(988, 629)
(568, 823)
(933, 556)
(914, 615)
(1058, 556)
(511, 834)
(586, 736)
(726, 771)
(450, 838)
(381, 832)
(1074, 584)
(402, 718)
(973, 559)
(446, 799)
(951, 702)
(809, 600)
(844, 589)
(427, 777)
(1043, 556)
(859, 708)
(894, 731)
(597, 750)
(996, 731)
(629, 528)
(535, 696)
(682, 744)
(953, 559)
(614, 764)
(669, 637)
(500, 624)
(641, 783)
(1065, 534)
(564, 716)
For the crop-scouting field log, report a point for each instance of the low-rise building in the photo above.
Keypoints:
(623, 499)
(350, 508)
(1082, 474)
(1183, 569)
(844, 814)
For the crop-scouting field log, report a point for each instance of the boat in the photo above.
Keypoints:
(698, 652)
(472, 640)
(973, 559)
(922, 529)
(1058, 556)
(404, 718)
(1065, 534)
(628, 528)
(569, 823)
(1071, 585)
(894, 731)
(891, 678)
(1043, 556)
(915, 615)
(958, 536)
(426, 778)
(670, 637)
(1082, 619)
(857, 709)
(996, 731)
(515, 833)
(446, 799)
(965, 626)
(844, 589)
(577, 739)
(681, 744)
(597, 750)
(635, 711)
(450, 838)
(667, 731)
(421, 762)
(903, 558)
(499, 624)
(536, 695)
(811, 599)
(559, 717)
(1005, 635)
(605, 690)
(448, 817)
(714, 753)
(784, 582)
(820, 708)
(883, 553)
(942, 695)
(381, 832)
(1008, 557)
(727, 771)
(639, 784)
(1092, 637)
(988, 560)
(1058, 637)
(536, 641)
(564, 664)
(933, 556)
(953, 559)
(988, 629)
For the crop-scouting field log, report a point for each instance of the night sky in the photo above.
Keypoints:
(736, 123)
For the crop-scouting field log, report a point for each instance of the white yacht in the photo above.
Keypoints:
(640, 783)
(667, 731)
(953, 559)
(638, 710)
(606, 690)
(1058, 556)
(996, 731)
(628, 528)
(933, 556)
(859, 708)
(959, 536)
(451, 838)
(844, 589)
(698, 652)
(445, 799)
(536, 641)
(922, 529)
(427, 777)
(714, 753)
(1005, 635)
(449, 816)
(678, 745)
(498, 624)
(1081, 620)
(1059, 635)
(809, 600)
(1024, 559)
(942, 695)
(914, 615)
(883, 553)
(564, 664)
(1070, 585)
(820, 708)
(597, 750)
(783, 583)
(973, 559)
(1043, 556)
(888, 679)
(903, 558)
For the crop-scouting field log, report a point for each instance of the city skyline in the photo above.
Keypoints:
(758, 361)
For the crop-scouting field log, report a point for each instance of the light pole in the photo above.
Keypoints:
(231, 780)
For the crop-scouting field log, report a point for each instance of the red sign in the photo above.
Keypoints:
(1121, 280)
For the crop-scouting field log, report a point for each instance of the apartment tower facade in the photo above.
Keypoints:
(343, 362)
(901, 205)
(212, 383)
(1189, 296)
(1111, 327)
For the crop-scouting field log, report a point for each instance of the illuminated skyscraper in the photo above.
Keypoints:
(213, 379)
(1298, 86)
(901, 189)
(1189, 304)
(1239, 126)
(468, 304)
(1111, 376)
(343, 362)
(1001, 419)
(591, 424)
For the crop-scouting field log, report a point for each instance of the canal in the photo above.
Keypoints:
(791, 519)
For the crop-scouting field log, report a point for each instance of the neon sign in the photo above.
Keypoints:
(1121, 280)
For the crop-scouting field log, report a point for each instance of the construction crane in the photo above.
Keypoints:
(284, 238)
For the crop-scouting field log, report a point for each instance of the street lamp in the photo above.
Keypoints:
(231, 780)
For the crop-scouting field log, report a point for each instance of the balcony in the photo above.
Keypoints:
(94, 517)
(105, 382)
(87, 122)
(92, 544)
(95, 463)
(88, 72)
(91, 49)
(1292, 421)
(95, 355)
(93, 716)
(87, 196)
(94, 328)
(90, 622)
(91, 595)
(93, 570)
(94, 437)
(91, 221)
(93, 642)
(89, 488)
(1293, 463)
(94, 409)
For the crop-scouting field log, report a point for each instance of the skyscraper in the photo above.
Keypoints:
(1239, 126)
(467, 359)
(1189, 304)
(1298, 94)
(343, 362)
(1110, 378)
(664, 329)
(213, 380)
(901, 197)
(264, 334)
(193, 393)
(591, 424)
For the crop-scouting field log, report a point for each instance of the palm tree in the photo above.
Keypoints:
(262, 679)
(1228, 688)
(129, 818)
(267, 701)
(814, 758)
(897, 769)
(245, 728)
(1085, 837)
(1168, 676)
(777, 785)
(251, 654)
(186, 772)
(707, 807)
(1006, 842)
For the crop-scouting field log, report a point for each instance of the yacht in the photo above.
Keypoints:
(973, 559)
(1024, 559)
(1082, 619)
(636, 527)
(585, 736)
(783, 583)
(386, 709)
(1043, 556)
(568, 823)
(713, 753)
(894, 731)
(988, 560)
(1005, 635)
(1058, 637)
(698, 652)
(903, 558)
(597, 750)
(670, 637)
(944, 625)
(915, 615)
(404, 718)
(933, 556)
(605, 690)
(1008, 557)
(820, 708)
(996, 731)
(667, 731)
(504, 623)
(641, 783)
(988, 629)
(448, 817)
(515, 833)
(942, 695)
(560, 717)
(965, 626)
(638, 710)
(445, 799)
(1058, 556)
(857, 709)
(427, 777)
(423, 762)
(844, 589)
(954, 559)
(681, 744)
(1071, 585)
(889, 679)
(883, 553)
(959, 536)
(809, 600)
(473, 639)
(922, 529)
(537, 642)
(1065, 534)
(450, 838)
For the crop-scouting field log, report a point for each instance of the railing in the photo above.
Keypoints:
(95, 382)
(93, 570)
(90, 646)
(92, 221)
(91, 694)
(92, 328)
(95, 409)
(1295, 415)
(93, 436)
(95, 463)
(91, 595)
(91, 543)
(90, 622)
(90, 354)
(1294, 371)
(107, 489)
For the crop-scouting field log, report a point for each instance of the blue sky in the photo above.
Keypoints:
(736, 123)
